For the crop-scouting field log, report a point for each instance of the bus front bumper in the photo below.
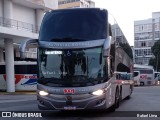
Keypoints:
(48, 103)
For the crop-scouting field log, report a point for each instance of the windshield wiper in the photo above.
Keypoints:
(83, 80)
(47, 80)
(88, 80)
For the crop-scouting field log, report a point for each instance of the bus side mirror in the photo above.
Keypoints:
(33, 43)
(106, 47)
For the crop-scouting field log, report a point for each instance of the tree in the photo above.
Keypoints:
(152, 62)
(156, 52)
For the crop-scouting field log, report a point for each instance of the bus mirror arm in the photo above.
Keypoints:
(106, 52)
(26, 43)
(106, 47)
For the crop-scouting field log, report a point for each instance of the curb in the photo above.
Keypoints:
(18, 93)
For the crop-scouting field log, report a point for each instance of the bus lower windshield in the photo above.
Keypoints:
(83, 67)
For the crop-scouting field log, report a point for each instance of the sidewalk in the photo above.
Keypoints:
(18, 93)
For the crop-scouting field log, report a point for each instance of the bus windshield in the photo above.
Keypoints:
(136, 73)
(60, 26)
(82, 67)
(157, 76)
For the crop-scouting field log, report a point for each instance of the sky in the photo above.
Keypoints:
(127, 11)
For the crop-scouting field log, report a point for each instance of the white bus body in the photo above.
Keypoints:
(25, 76)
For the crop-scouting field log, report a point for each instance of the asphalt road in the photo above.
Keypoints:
(144, 102)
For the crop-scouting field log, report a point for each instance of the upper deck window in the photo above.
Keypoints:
(74, 24)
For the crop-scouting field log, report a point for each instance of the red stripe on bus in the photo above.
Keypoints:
(17, 77)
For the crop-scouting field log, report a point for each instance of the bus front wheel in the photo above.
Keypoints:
(116, 103)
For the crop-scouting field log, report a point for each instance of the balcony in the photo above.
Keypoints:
(19, 25)
(38, 4)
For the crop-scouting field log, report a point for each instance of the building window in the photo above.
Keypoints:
(149, 27)
(136, 28)
(143, 44)
(67, 1)
(136, 53)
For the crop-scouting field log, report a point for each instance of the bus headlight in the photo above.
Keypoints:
(43, 93)
(98, 92)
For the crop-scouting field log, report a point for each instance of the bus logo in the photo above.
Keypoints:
(68, 91)
(143, 77)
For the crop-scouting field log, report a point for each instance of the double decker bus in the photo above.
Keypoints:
(25, 76)
(77, 57)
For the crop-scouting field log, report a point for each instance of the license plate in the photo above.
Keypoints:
(69, 108)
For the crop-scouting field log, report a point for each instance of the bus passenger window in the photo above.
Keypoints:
(118, 76)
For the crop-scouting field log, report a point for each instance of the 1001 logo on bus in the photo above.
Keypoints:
(144, 77)
(69, 91)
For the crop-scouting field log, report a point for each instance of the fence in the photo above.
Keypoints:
(6, 22)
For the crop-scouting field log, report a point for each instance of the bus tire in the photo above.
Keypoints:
(141, 83)
(116, 103)
(120, 94)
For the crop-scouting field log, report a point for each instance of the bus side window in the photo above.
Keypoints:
(118, 76)
(128, 76)
(2, 69)
(121, 76)
(26, 69)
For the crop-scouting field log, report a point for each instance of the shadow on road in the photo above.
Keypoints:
(86, 113)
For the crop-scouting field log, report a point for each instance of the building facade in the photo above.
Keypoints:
(118, 34)
(75, 4)
(146, 33)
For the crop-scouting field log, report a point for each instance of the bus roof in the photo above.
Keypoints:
(121, 72)
(156, 72)
(143, 66)
(75, 9)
